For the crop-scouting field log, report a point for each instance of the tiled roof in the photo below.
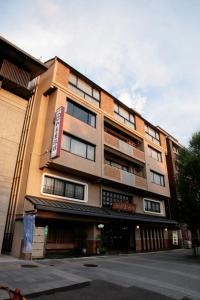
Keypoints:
(93, 211)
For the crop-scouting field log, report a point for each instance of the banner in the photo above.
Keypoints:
(58, 131)
(29, 227)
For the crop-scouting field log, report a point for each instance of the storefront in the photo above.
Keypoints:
(74, 229)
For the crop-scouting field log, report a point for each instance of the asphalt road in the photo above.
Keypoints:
(158, 275)
(102, 290)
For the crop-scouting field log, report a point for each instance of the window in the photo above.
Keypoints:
(109, 197)
(124, 116)
(63, 188)
(152, 206)
(157, 178)
(154, 154)
(78, 147)
(81, 113)
(152, 134)
(84, 89)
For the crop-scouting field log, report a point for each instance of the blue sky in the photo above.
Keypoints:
(146, 53)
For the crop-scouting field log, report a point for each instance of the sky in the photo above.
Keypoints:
(146, 53)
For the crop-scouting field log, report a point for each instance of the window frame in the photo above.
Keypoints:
(85, 199)
(151, 211)
(158, 174)
(85, 94)
(81, 141)
(158, 154)
(150, 136)
(89, 113)
(125, 120)
(120, 198)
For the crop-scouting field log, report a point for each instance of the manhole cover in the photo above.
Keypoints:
(29, 266)
(91, 265)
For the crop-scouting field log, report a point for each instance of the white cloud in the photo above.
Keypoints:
(120, 43)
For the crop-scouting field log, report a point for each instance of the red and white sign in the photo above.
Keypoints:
(58, 131)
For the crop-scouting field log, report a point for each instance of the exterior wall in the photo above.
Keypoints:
(159, 167)
(12, 111)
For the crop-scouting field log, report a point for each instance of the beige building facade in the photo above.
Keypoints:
(96, 178)
(91, 170)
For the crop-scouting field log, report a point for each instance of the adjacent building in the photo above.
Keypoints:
(17, 70)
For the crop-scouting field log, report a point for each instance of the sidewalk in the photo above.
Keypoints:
(34, 278)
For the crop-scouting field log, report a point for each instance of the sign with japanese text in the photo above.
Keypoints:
(126, 207)
(57, 134)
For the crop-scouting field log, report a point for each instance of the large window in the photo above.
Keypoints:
(154, 154)
(63, 188)
(81, 113)
(108, 198)
(152, 134)
(78, 147)
(84, 89)
(152, 206)
(124, 116)
(157, 178)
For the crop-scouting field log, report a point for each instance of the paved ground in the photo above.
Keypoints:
(171, 273)
(39, 278)
(102, 290)
(155, 276)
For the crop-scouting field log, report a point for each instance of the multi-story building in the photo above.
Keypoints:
(94, 171)
(17, 70)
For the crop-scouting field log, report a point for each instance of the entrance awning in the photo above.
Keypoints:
(67, 208)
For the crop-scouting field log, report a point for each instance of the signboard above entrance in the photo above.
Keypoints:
(126, 207)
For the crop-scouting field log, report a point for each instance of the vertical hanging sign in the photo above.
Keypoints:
(57, 134)
(29, 227)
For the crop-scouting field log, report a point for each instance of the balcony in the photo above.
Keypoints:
(123, 147)
(124, 177)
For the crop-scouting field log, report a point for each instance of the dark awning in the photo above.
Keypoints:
(93, 211)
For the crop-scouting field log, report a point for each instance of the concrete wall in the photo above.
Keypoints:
(12, 112)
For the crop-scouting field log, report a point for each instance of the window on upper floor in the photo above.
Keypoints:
(79, 147)
(157, 178)
(81, 113)
(84, 89)
(109, 197)
(124, 116)
(154, 154)
(152, 206)
(152, 134)
(63, 188)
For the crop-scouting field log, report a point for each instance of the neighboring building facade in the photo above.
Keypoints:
(97, 175)
(17, 69)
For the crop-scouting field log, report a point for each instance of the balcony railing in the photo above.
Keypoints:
(124, 177)
(123, 147)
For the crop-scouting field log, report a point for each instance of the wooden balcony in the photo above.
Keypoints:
(123, 147)
(124, 177)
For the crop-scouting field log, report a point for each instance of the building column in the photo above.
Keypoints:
(166, 238)
(138, 244)
(93, 239)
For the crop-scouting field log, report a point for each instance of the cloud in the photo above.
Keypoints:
(146, 53)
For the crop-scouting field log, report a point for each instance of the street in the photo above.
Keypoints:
(159, 275)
